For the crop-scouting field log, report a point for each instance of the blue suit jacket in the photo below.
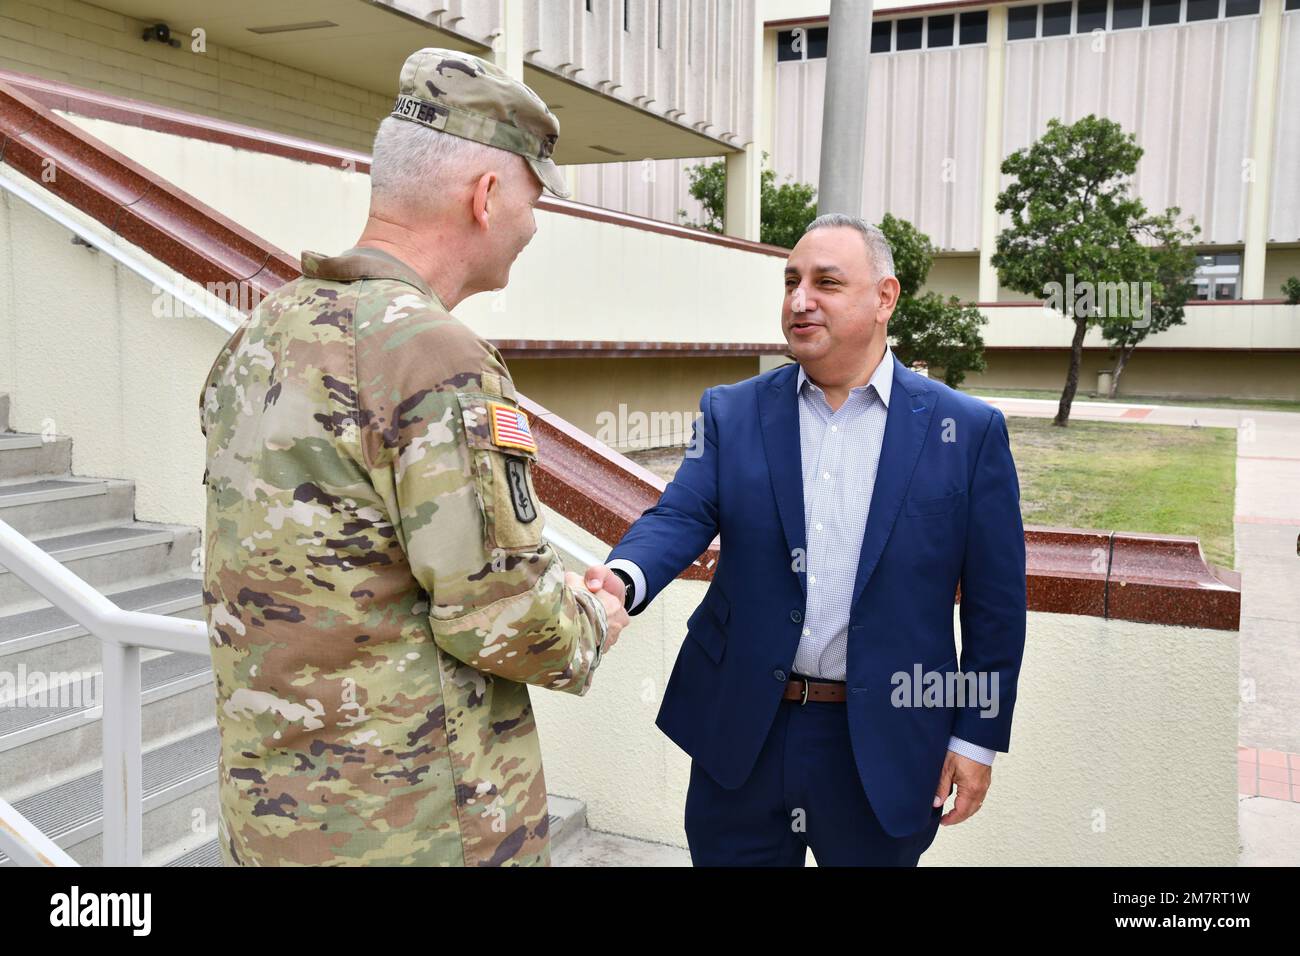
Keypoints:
(945, 509)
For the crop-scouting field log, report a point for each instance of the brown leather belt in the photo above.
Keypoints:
(804, 689)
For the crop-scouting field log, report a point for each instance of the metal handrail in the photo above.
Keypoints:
(122, 634)
(215, 311)
(23, 843)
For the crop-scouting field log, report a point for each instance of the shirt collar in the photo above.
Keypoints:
(882, 378)
(364, 262)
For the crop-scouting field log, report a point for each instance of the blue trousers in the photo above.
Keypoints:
(804, 792)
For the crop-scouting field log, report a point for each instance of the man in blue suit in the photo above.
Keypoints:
(818, 691)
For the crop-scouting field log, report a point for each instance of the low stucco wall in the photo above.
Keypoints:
(1183, 374)
(1123, 751)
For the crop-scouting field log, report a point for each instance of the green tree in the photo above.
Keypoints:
(1075, 229)
(1165, 286)
(943, 333)
(784, 210)
(1291, 289)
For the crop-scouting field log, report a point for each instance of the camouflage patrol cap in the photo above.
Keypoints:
(459, 93)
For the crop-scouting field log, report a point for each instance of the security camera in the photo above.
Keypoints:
(160, 32)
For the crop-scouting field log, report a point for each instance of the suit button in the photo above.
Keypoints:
(796, 616)
(779, 674)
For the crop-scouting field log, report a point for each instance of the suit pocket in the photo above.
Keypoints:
(944, 504)
(707, 625)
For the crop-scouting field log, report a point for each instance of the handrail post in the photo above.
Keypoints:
(123, 763)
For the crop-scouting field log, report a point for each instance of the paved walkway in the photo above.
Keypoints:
(1266, 522)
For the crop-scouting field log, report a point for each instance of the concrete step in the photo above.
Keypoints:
(180, 803)
(109, 557)
(45, 639)
(568, 821)
(44, 507)
(30, 456)
(48, 739)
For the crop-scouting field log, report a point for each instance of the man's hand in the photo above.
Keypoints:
(601, 578)
(972, 780)
(615, 616)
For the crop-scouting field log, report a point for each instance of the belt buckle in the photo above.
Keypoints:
(805, 693)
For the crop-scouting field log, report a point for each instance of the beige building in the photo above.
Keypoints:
(646, 89)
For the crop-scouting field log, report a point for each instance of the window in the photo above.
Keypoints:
(816, 41)
(659, 24)
(939, 30)
(882, 36)
(1293, 4)
(909, 34)
(1022, 23)
(1091, 16)
(1202, 10)
(975, 27)
(625, 23)
(785, 47)
(801, 43)
(1056, 18)
(1126, 14)
(1241, 8)
(1216, 276)
(1163, 11)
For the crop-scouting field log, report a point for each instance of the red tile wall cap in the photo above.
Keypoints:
(1150, 578)
(144, 209)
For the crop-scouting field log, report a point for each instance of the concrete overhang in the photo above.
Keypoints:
(366, 42)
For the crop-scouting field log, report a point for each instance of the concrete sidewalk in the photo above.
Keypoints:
(1266, 519)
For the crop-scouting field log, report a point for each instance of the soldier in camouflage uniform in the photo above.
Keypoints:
(377, 588)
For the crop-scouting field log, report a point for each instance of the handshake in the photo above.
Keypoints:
(609, 590)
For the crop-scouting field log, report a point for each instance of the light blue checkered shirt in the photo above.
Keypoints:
(840, 451)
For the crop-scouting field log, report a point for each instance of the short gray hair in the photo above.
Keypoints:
(409, 158)
(878, 251)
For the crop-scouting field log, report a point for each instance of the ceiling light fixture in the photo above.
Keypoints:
(292, 27)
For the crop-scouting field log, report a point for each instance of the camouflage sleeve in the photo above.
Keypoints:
(465, 508)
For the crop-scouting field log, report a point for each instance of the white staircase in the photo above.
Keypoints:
(51, 745)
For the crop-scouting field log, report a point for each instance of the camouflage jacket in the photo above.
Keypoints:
(377, 589)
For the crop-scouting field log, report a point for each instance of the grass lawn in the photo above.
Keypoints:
(1112, 476)
(1164, 479)
(1054, 395)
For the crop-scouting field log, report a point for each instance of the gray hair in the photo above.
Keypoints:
(408, 159)
(878, 251)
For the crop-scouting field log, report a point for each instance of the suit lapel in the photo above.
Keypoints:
(911, 406)
(778, 413)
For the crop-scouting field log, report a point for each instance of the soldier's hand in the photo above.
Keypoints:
(615, 616)
(601, 578)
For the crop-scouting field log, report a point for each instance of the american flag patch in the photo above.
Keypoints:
(510, 428)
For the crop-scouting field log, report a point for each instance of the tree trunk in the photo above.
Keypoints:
(1124, 353)
(1072, 379)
